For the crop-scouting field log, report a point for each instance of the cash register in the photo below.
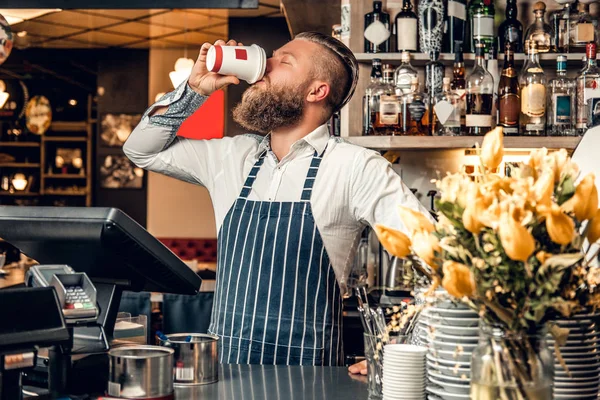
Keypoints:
(89, 256)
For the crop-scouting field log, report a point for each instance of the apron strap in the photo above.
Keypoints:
(252, 176)
(312, 175)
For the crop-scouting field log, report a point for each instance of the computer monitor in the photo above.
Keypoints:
(105, 243)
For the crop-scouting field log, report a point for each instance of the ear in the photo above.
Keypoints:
(319, 90)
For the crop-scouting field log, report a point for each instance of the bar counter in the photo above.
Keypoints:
(258, 382)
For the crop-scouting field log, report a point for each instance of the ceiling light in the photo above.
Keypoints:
(19, 181)
(22, 34)
(3, 94)
(183, 69)
(73, 102)
(17, 15)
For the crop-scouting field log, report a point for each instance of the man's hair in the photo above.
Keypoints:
(339, 67)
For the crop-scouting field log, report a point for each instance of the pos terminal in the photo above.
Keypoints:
(88, 252)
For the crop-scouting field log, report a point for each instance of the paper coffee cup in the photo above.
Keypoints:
(248, 63)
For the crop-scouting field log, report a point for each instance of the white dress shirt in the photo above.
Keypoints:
(354, 187)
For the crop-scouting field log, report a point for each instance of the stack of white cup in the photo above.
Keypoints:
(404, 375)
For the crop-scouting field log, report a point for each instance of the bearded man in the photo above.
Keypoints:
(290, 206)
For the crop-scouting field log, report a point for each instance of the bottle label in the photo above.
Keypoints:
(346, 21)
(534, 127)
(483, 26)
(417, 110)
(389, 108)
(406, 34)
(510, 108)
(444, 110)
(562, 109)
(584, 33)
(591, 92)
(510, 130)
(533, 100)
(403, 83)
(377, 33)
(457, 10)
(479, 120)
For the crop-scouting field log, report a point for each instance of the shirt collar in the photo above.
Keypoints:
(317, 139)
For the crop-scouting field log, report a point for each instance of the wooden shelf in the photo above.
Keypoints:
(64, 176)
(65, 139)
(19, 194)
(55, 193)
(68, 126)
(458, 142)
(420, 59)
(19, 144)
(20, 165)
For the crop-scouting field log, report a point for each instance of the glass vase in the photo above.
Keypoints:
(511, 365)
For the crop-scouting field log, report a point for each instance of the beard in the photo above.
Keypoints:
(268, 108)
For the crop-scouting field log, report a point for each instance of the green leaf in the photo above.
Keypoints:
(561, 262)
(565, 189)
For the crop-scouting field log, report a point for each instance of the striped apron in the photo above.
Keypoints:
(277, 300)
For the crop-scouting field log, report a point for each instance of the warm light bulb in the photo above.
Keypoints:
(3, 94)
(183, 69)
(19, 182)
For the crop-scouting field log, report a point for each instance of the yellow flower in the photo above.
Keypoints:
(559, 162)
(395, 242)
(593, 230)
(415, 220)
(544, 188)
(542, 256)
(458, 279)
(492, 149)
(536, 160)
(560, 226)
(517, 241)
(584, 202)
(474, 208)
(425, 245)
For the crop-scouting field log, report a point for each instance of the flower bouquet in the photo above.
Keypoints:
(511, 248)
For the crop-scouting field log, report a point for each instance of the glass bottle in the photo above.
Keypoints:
(405, 28)
(532, 84)
(414, 108)
(588, 91)
(404, 75)
(481, 15)
(431, 25)
(560, 22)
(459, 84)
(456, 20)
(368, 101)
(511, 30)
(377, 30)
(480, 94)
(492, 67)
(508, 93)
(583, 28)
(495, 372)
(540, 32)
(561, 101)
(386, 118)
(446, 112)
(434, 74)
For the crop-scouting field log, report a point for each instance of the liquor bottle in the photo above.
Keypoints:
(368, 100)
(560, 22)
(404, 75)
(492, 67)
(588, 91)
(481, 15)
(446, 111)
(456, 20)
(405, 28)
(386, 119)
(583, 28)
(431, 25)
(414, 110)
(561, 101)
(480, 94)
(532, 84)
(434, 75)
(508, 92)
(459, 84)
(540, 32)
(511, 30)
(377, 30)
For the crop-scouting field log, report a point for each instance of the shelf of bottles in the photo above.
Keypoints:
(536, 100)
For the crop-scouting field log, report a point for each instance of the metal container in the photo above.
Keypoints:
(196, 360)
(141, 372)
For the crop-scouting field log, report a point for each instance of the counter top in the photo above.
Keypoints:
(259, 382)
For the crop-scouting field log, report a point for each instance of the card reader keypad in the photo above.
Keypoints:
(75, 298)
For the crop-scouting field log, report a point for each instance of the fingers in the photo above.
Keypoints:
(358, 368)
(363, 372)
(220, 43)
(204, 51)
(226, 80)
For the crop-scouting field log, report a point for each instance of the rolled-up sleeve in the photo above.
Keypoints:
(155, 146)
